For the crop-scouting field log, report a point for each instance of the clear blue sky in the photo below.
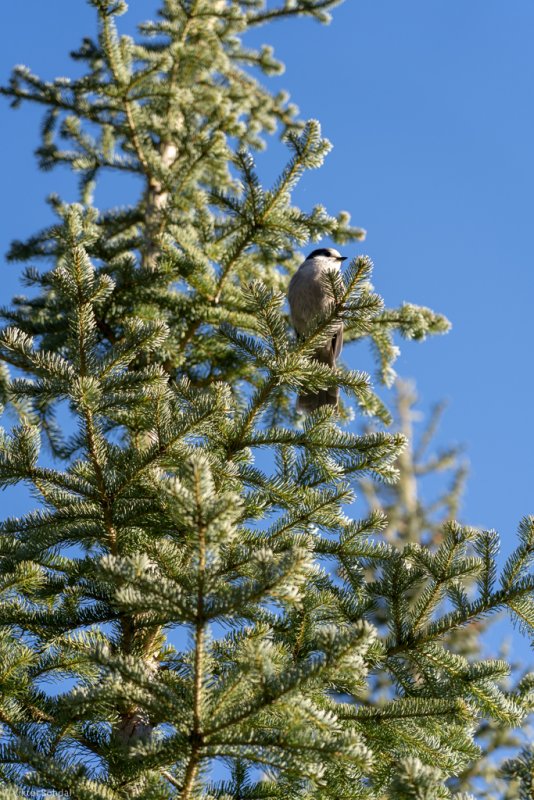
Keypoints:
(430, 107)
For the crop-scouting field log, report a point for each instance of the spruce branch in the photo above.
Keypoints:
(318, 9)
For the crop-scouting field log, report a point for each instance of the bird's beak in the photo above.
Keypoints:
(342, 258)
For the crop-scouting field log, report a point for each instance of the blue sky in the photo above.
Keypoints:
(430, 107)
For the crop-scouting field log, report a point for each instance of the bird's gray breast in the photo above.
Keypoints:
(307, 296)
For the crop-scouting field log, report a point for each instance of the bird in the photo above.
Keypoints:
(309, 298)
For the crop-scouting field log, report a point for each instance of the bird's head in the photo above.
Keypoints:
(329, 256)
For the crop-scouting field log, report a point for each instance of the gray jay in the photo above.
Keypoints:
(308, 299)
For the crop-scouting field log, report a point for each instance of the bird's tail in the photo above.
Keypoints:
(310, 401)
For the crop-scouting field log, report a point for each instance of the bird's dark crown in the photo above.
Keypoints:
(327, 252)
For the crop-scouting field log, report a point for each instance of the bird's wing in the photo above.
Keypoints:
(292, 296)
(337, 342)
(306, 299)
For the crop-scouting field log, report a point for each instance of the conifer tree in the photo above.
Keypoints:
(196, 565)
